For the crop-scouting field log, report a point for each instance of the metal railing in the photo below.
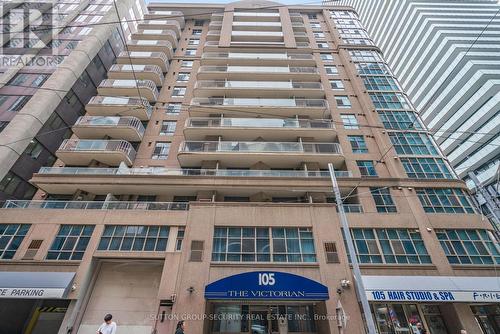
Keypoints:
(125, 102)
(161, 33)
(190, 172)
(216, 122)
(257, 84)
(257, 69)
(94, 205)
(156, 43)
(137, 68)
(260, 102)
(114, 121)
(143, 55)
(161, 23)
(259, 147)
(84, 145)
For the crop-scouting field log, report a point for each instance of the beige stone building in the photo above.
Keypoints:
(197, 187)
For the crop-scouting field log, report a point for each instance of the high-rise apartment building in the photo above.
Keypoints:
(446, 55)
(54, 54)
(196, 187)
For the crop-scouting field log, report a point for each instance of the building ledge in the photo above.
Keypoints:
(265, 264)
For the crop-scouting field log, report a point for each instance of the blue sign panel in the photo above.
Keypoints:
(266, 285)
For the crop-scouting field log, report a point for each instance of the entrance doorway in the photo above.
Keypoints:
(394, 318)
(263, 319)
(488, 317)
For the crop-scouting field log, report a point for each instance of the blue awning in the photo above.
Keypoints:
(266, 285)
(35, 285)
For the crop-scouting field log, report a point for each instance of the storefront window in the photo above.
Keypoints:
(263, 244)
(488, 317)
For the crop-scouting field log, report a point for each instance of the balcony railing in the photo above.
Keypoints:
(258, 56)
(151, 45)
(99, 121)
(134, 55)
(190, 172)
(257, 69)
(95, 205)
(258, 84)
(125, 105)
(259, 147)
(207, 122)
(83, 145)
(119, 83)
(160, 34)
(137, 68)
(260, 102)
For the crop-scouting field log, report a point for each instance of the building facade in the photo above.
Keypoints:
(196, 187)
(446, 55)
(48, 76)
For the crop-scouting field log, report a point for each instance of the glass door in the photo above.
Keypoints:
(433, 319)
(259, 319)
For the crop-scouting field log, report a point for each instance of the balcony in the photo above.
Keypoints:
(257, 58)
(256, 36)
(296, 17)
(246, 154)
(95, 205)
(313, 108)
(83, 152)
(143, 58)
(157, 35)
(254, 16)
(165, 15)
(264, 89)
(122, 106)
(301, 36)
(256, 26)
(216, 17)
(130, 88)
(298, 26)
(161, 24)
(98, 127)
(213, 35)
(272, 129)
(151, 46)
(141, 72)
(258, 72)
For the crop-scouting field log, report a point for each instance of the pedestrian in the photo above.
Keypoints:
(108, 326)
(181, 325)
(421, 329)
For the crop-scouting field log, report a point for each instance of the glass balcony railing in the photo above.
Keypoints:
(125, 104)
(84, 145)
(94, 205)
(260, 102)
(190, 172)
(258, 69)
(257, 33)
(257, 56)
(258, 84)
(137, 68)
(119, 83)
(207, 122)
(134, 55)
(259, 147)
(111, 121)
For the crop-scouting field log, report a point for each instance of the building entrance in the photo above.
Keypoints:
(263, 319)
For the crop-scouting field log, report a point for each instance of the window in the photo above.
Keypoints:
(187, 63)
(331, 69)
(173, 108)
(337, 84)
(326, 56)
(400, 120)
(350, 122)
(389, 100)
(34, 149)
(401, 246)
(262, 244)
(380, 83)
(444, 200)
(198, 23)
(190, 52)
(197, 32)
(180, 238)
(322, 45)
(315, 25)
(161, 151)
(366, 168)
(9, 183)
(16, 102)
(134, 238)
(383, 200)
(372, 68)
(3, 125)
(469, 246)
(412, 143)
(342, 101)
(312, 16)
(426, 168)
(71, 242)
(358, 144)
(11, 236)
(319, 35)
(183, 77)
(84, 31)
(194, 42)
(167, 128)
(179, 91)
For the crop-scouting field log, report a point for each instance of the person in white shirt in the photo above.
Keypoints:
(108, 327)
